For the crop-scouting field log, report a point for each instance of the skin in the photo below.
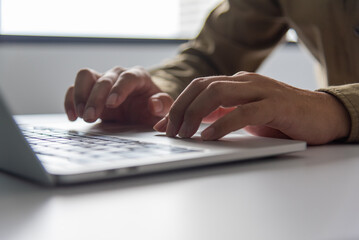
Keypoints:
(260, 105)
(123, 95)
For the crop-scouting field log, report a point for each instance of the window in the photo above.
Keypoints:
(167, 19)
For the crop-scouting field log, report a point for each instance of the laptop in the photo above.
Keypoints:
(50, 150)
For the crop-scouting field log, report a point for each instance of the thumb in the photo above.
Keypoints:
(159, 104)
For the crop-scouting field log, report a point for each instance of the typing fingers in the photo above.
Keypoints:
(222, 93)
(128, 81)
(218, 113)
(254, 113)
(84, 82)
(69, 104)
(98, 94)
(159, 104)
(180, 106)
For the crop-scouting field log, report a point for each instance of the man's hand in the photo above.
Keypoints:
(261, 105)
(125, 96)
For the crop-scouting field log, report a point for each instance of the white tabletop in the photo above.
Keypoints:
(306, 195)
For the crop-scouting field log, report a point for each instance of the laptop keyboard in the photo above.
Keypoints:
(85, 148)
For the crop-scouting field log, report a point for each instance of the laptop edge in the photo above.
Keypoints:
(16, 156)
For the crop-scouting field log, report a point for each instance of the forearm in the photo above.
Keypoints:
(173, 76)
(238, 35)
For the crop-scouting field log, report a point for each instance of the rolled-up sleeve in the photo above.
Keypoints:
(348, 94)
(237, 36)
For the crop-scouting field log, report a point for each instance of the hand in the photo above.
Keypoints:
(261, 105)
(125, 96)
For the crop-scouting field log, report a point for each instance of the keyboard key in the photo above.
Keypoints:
(82, 148)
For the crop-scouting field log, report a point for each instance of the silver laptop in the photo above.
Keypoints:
(53, 151)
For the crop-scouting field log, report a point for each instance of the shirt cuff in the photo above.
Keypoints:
(348, 95)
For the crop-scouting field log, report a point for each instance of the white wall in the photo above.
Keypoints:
(34, 77)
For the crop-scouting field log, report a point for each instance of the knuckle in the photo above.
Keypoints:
(139, 68)
(215, 88)
(118, 69)
(104, 82)
(142, 73)
(129, 75)
(135, 76)
(117, 89)
(84, 73)
(240, 73)
(251, 75)
(83, 78)
(245, 77)
(197, 83)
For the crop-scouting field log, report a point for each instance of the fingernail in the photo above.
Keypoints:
(157, 105)
(184, 131)
(89, 114)
(112, 99)
(170, 130)
(71, 115)
(207, 134)
(80, 109)
(161, 125)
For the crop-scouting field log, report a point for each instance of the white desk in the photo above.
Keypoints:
(307, 195)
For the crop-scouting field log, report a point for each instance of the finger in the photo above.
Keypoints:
(178, 108)
(128, 81)
(69, 104)
(219, 93)
(254, 113)
(265, 131)
(221, 111)
(99, 93)
(242, 73)
(159, 104)
(216, 114)
(161, 125)
(84, 82)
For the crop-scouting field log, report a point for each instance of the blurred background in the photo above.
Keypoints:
(43, 43)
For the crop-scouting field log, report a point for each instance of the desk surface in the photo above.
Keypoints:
(305, 195)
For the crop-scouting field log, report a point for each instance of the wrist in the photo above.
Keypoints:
(339, 115)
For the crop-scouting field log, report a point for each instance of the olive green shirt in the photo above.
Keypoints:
(239, 34)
